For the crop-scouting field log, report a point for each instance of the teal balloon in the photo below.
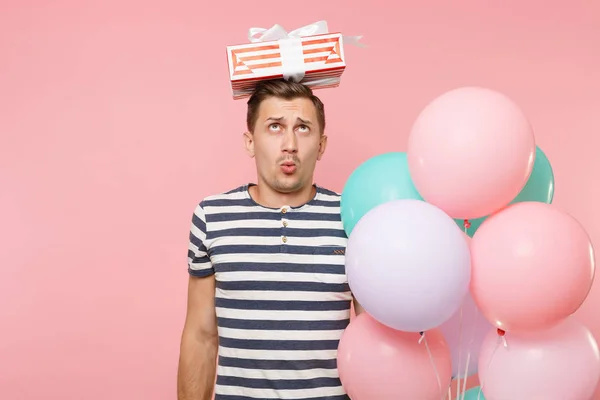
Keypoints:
(378, 180)
(539, 187)
(473, 394)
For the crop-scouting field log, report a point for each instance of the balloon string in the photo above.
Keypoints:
(460, 332)
(437, 374)
(464, 387)
(460, 393)
(487, 368)
(448, 395)
(469, 347)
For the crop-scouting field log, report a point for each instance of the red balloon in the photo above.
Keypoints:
(532, 266)
(378, 362)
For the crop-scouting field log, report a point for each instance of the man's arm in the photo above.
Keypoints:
(199, 342)
(357, 307)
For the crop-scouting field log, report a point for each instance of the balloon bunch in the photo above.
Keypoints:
(463, 266)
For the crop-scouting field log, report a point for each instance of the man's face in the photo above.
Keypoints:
(286, 143)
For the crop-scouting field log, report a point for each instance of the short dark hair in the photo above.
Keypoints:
(285, 90)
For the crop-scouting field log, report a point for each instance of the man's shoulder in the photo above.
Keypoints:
(328, 194)
(226, 197)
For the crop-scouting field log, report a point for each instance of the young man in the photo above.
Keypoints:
(267, 288)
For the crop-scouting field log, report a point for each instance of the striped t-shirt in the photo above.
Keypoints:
(282, 298)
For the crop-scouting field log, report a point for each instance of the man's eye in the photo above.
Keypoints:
(274, 127)
(303, 128)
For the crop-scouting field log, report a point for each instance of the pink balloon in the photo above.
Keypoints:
(470, 152)
(378, 362)
(559, 363)
(533, 266)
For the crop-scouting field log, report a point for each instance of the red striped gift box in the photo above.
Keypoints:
(323, 57)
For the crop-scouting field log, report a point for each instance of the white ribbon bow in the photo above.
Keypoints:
(277, 32)
(291, 45)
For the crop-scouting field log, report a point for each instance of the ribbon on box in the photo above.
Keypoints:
(290, 45)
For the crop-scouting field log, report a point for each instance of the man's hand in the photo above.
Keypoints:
(199, 342)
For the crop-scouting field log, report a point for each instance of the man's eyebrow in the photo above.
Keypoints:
(277, 119)
(304, 121)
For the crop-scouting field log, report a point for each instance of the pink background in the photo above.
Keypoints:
(116, 119)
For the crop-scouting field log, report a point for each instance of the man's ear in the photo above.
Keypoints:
(322, 146)
(249, 143)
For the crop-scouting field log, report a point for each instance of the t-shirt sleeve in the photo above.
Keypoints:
(199, 263)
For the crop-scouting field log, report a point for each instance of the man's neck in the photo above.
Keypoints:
(268, 197)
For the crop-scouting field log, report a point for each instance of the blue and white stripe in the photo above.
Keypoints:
(282, 297)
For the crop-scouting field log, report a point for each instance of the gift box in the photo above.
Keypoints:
(309, 55)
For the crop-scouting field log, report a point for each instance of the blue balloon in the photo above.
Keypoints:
(378, 180)
(539, 187)
(473, 394)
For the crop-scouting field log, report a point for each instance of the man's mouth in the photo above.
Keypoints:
(288, 167)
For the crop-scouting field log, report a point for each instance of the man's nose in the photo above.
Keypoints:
(290, 142)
